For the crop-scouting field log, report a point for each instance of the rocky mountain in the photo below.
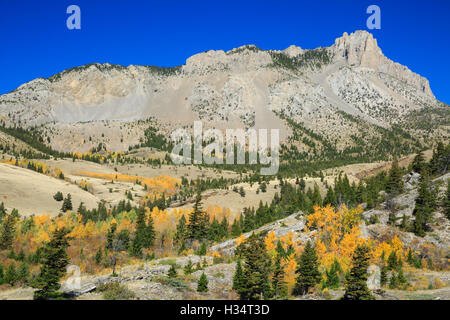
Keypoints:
(344, 92)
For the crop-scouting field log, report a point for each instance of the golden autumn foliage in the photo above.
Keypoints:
(156, 186)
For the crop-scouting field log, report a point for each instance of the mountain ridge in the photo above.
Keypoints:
(245, 86)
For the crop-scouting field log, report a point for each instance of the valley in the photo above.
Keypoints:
(363, 180)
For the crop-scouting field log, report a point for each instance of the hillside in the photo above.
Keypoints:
(348, 95)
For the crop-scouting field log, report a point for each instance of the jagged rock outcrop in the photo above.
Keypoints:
(240, 87)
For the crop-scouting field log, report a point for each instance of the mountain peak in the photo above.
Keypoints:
(359, 48)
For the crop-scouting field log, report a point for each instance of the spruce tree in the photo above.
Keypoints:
(333, 280)
(447, 201)
(144, 236)
(425, 204)
(395, 180)
(172, 273)
(11, 275)
(256, 269)
(356, 282)
(181, 233)
(202, 285)
(2, 274)
(198, 220)
(7, 232)
(278, 284)
(238, 279)
(23, 273)
(67, 203)
(418, 163)
(55, 261)
(308, 274)
(393, 262)
(189, 267)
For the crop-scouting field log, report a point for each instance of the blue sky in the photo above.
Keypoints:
(35, 41)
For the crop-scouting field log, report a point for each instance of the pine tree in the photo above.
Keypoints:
(172, 273)
(238, 279)
(181, 233)
(144, 236)
(188, 268)
(395, 180)
(392, 261)
(356, 284)
(242, 191)
(332, 281)
(308, 274)
(11, 275)
(23, 273)
(202, 250)
(67, 203)
(7, 232)
(2, 212)
(316, 198)
(55, 261)
(256, 269)
(383, 274)
(198, 220)
(425, 204)
(2, 274)
(418, 163)
(278, 284)
(202, 285)
(447, 201)
(58, 196)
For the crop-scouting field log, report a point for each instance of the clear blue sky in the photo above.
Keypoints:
(36, 43)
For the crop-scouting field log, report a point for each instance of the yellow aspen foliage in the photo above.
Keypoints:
(269, 241)
(289, 269)
(240, 239)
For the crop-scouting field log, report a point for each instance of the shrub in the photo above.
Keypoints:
(115, 291)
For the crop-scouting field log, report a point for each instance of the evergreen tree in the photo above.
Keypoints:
(238, 279)
(181, 233)
(23, 273)
(67, 203)
(256, 269)
(425, 204)
(202, 250)
(302, 184)
(144, 236)
(440, 159)
(11, 275)
(330, 198)
(392, 261)
(2, 274)
(447, 201)
(2, 212)
(418, 163)
(202, 285)
(58, 196)
(395, 180)
(308, 274)
(356, 284)
(55, 261)
(7, 232)
(333, 280)
(189, 267)
(198, 220)
(242, 191)
(383, 274)
(316, 198)
(172, 273)
(278, 284)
